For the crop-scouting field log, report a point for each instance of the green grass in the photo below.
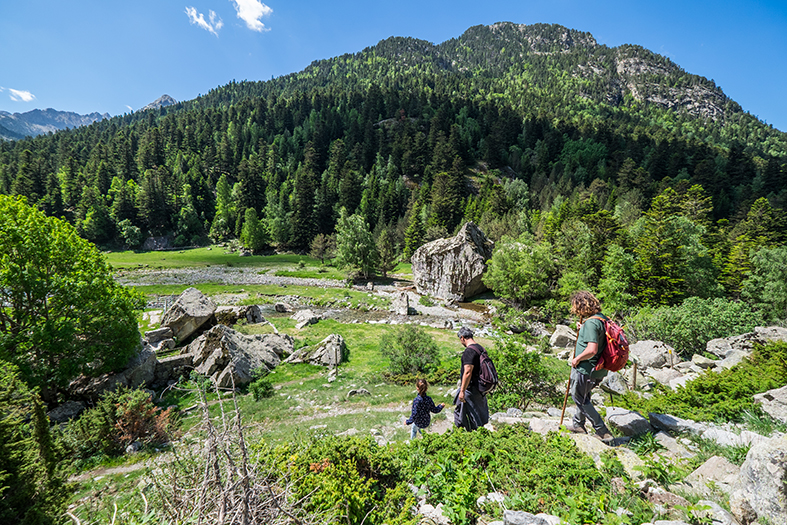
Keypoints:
(209, 256)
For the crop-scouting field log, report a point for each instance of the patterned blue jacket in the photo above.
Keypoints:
(422, 406)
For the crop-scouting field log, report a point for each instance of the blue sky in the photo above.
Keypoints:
(114, 57)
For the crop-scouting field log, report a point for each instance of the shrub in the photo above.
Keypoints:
(410, 350)
(525, 376)
(725, 395)
(119, 419)
(689, 326)
(261, 389)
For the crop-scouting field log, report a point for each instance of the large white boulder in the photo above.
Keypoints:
(452, 268)
(190, 311)
(760, 493)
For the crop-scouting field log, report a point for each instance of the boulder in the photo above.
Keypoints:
(230, 315)
(400, 304)
(663, 375)
(759, 493)
(66, 412)
(703, 362)
(282, 308)
(771, 333)
(733, 358)
(452, 268)
(673, 449)
(681, 381)
(329, 352)
(774, 403)
(614, 383)
(190, 311)
(304, 318)
(563, 337)
(653, 354)
(138, 372)
(172, 367)
(358, 392)
(520, 517)
(743, 343)
(715, 512)
(675, 425)
(716, 473)
(229, 357)
(627, 422)
(156, 336)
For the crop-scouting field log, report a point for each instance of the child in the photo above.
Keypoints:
(422, 406)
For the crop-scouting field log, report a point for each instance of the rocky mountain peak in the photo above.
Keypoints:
(162, 101)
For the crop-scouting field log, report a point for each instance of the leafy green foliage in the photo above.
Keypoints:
(355, 245)
(410, 350)
(766, 286)
(261, 389)
(61, 312)
(725, 395)
(690, 325)
(521, 269)
(32, 490)
(525, 376)
(119, 419)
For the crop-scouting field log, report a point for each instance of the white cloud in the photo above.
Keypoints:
(21, 96)
(213, 24)
(251, 11)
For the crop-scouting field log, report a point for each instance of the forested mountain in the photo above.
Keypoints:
(527, 130)
(38, 121)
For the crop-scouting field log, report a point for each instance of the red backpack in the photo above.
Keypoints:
(616, 354)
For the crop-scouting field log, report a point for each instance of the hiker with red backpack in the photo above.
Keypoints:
(472, 410)
(585, 373)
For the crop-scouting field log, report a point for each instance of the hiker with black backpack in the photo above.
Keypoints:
(472, 410)
(591, 342)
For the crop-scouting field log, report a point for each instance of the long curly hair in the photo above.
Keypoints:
(584, 304)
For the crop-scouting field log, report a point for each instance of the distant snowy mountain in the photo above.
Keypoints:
(15, 126)
(162, 101)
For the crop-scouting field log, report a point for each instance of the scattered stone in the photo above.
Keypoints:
(663, 375)
(190, 312)
(733, 358)
(774, 403)
(665, 502)
(563, 337)
(759, 492)
(172, 367)
(138, 372)
(595, 448)
(133, 448)
(716, 513)
(681, 381)
(492, 497)
(452, 269)
(673, 448)
(304, 318)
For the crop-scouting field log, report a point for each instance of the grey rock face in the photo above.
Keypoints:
(563, 337)
(191, 310)
(172, 367)
(305, 318)
(451, 269)
(228, 357)
(156, 336)
(138, 372)
(329, 352)
(716, 473)
(760, 492)
(774, 403)
(663, 375)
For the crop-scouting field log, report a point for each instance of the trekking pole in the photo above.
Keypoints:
(568, 386)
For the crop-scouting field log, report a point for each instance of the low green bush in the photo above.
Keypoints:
(526, 376)
(725, 395)
(689, 326)
(261, 389)
(410, 350)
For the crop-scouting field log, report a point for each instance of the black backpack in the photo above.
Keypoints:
(487, 377)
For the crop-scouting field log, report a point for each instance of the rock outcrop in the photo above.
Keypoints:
(190, 312)
(451, 269)
(139, 372)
